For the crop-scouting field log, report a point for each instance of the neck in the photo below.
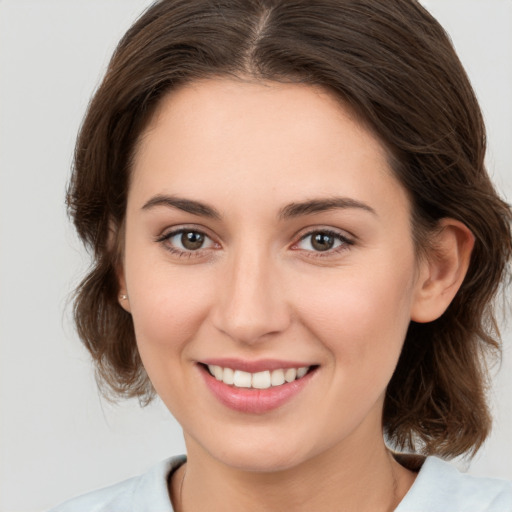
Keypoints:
(353, 480)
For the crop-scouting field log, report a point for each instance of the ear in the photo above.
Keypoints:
(442, 272)
(116, 242)
(123, 298)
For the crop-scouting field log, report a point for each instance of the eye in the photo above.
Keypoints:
(186, 241)
(322, 241)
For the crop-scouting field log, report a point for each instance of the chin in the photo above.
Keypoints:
(255, 454)
(261, 462)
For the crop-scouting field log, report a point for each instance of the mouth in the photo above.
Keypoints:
(269, 386)
(259, 380)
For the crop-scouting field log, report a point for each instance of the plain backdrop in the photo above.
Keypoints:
(58, 438)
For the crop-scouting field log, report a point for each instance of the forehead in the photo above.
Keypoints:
(227, 107)
(268, 138)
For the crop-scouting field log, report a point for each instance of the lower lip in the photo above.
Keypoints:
(254, 401)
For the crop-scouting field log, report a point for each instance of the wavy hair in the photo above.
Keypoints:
(393, 64)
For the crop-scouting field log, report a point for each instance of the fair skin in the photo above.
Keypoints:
(299, 252)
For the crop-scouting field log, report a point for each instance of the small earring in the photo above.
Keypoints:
(123, 297)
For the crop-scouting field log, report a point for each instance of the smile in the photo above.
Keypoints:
(259, 380)
(256, 387)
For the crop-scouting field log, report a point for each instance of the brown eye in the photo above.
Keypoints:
(322, 241)
(192, 240)
(186, 241)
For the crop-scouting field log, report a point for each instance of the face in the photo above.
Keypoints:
(269, 244)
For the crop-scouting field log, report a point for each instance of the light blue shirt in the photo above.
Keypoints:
(439, 487)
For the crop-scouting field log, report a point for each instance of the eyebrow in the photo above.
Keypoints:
(186, 205)
(291, 210)
(322, 205)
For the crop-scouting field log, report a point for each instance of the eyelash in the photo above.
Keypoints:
(345, 242)
(164, 240)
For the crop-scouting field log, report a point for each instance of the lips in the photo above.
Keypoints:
(255, 387)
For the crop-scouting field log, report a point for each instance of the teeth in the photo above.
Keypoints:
(229, 376)
(242, 379)
(301, 372)
(259, 380)
(290, 374)
(277, 378)
(217, 371)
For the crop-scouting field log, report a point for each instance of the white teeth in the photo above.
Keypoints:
(290, 374)
(258, 380)
(229, 376)
(277, 377)
(242, 379)
(261, 380)
(301, 372)
(217, 372)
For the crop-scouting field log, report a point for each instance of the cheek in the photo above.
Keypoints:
(164, 311)
(361, 315)
(167, 312)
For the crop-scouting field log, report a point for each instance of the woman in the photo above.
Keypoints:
(296, 247)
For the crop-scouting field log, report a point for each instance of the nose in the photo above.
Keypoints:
(251, 306)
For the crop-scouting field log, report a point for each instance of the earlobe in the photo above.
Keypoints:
(441, 273)
(123, 299)
(124, 302)
(115, 242)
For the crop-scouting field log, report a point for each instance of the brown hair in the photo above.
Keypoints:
(395, 66)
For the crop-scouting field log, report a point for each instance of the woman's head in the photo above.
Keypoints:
(391, 66)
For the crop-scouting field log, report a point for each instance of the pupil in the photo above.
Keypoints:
(322, 242)
(192, 240)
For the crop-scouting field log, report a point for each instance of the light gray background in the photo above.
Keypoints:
(58, 438)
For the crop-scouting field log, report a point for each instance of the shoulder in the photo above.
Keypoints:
(144, 493)
(440, 487)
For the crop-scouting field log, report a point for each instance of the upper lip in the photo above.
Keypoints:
(253, 366)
